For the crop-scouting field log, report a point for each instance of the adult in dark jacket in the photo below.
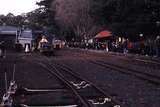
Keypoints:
(158, 46)
(125, 44)
(2, 49)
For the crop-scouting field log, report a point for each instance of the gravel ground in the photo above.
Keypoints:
(32, 76)
(131, 91)
(129, 60)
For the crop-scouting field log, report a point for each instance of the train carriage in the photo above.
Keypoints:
(57, 44)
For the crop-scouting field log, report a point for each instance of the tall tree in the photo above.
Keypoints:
(45, 15)
(127, 17)
(12, 20)
(74, 15)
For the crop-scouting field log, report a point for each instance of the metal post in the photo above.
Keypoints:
(14, 70)
(16, 36)
(6, 85)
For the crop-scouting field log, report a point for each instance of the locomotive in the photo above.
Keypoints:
(45, 47)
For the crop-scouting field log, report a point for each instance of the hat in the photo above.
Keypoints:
(158, 37)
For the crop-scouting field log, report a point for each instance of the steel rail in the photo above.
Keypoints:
(89, 54)
(142, 75)
(66, 82)
(67, 69)
(148, 61)
(112, 101)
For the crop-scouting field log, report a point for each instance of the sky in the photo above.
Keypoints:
(17, 7)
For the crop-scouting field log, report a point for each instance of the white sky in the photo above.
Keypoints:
(17, 7)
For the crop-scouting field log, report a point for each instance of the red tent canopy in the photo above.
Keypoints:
(103, 34)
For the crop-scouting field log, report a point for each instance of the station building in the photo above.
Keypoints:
(9, 35)
(26, 38)
(12, 35)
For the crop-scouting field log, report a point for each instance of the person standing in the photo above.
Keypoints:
(125, 44)
(158, 46)
(1, 52)
(2, 49)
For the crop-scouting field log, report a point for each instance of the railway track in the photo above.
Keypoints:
(83, 89)
(150, 63)
(139, 74)
(151, 78)
(86, 92)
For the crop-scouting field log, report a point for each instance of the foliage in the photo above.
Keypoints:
(85, 18)
(44, 16)
(12, 20)
(127, 18)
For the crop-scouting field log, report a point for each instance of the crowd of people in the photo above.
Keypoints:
(148, 47)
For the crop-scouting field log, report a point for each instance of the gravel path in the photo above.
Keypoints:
(131, 91)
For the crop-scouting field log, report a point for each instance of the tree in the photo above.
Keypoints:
(86, 17)
(127, 17)
(103, 11)
(12, 20)
(44, 16)
(73, 15)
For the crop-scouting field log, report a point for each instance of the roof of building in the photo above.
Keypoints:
(103, 34)
(8, 30)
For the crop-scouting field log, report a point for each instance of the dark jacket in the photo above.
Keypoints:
(158, 42)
